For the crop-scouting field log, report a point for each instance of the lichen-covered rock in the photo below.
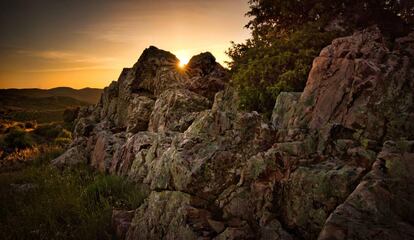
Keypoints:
(139, 112)
(312, 193)
(284, 108)
(156, 71)
(381, 205)
(362, 84)
(75, 155)
(207, 157)
(176, 109)
(105, 147)
(162, 216)
(130, 151)
(108, 101)
(206, 76)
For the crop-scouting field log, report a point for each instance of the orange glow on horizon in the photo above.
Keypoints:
(93, 52)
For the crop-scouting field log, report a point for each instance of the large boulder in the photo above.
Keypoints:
(206, 76)
(362, 84)
(156, 71)
(75, 155)
(104, 148)
(311, 193)
(176, 109)
(135, 146)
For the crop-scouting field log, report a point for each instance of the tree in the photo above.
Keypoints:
(275, 17)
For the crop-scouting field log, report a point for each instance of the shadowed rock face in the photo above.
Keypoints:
(334, 162)
(363, 85)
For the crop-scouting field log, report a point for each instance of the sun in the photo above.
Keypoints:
(181, 64)
(183, 57)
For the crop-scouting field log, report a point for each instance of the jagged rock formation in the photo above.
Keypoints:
(334, 162)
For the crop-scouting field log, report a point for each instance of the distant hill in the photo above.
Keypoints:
(44, 105)
(88, 95)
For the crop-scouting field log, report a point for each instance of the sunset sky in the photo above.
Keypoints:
(86, 43)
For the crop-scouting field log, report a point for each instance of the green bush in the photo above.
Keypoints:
(260, 73)
(30, 124)
(65, 134)
(18, 138)
(62, 141)
(48, 131)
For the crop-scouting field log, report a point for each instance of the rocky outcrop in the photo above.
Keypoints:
(334, 162)
(361, 84)
(206, 76)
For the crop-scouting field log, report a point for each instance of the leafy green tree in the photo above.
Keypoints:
(272, 18)
(261, 73)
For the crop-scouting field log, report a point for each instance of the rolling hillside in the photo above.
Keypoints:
(88, 95)
(43, 105)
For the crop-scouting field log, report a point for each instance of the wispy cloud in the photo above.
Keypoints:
(74, 69)
(66, 56)
(70, 61)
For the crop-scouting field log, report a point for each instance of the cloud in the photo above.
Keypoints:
(74, 69)
(66, 56)
(66, 61)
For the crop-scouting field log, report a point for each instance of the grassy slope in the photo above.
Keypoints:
(71, 204)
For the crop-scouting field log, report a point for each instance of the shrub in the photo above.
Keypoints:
(18, 138)
(48, 153)
(30, 124)
(260, 73)
(70, 115)
(48, 131)
(65, 134)
(112, 190)
(62, 141)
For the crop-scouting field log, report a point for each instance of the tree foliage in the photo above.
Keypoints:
(271, 18)
(288, 34)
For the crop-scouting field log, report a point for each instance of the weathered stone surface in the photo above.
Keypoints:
(139, 112)
(176, 109)
(76, 154)
(121, 221)
(162, 216)
(206, 76)
(156, 71)
(360, 83)
(109, 100)
(105, 147)
(130, 151)
(207, 157)
(284, 108)
(312, 193)
(381, 205)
